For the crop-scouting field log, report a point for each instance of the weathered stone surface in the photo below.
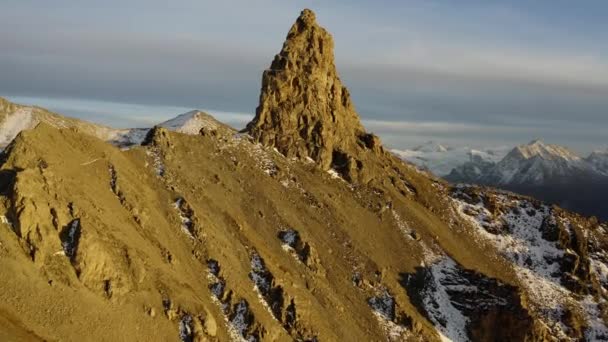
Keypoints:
(304, 109)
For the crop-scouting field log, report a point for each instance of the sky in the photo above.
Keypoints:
(477, 73)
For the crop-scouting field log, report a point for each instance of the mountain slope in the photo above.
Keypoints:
(147, 238)
(158, 253)
(216, 235)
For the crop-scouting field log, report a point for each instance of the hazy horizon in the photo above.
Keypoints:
(481, 73)
(143, 116)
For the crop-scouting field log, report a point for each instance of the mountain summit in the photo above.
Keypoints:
(304, 110)
(538, 163)
(537, 148)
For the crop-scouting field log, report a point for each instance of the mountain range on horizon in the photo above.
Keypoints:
(302, 226)
(441, 159)
(549, 172)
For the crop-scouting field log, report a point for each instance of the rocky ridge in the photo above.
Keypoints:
(15, 118)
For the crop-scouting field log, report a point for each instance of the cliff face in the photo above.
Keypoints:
(305, 111)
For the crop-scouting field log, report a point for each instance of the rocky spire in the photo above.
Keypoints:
(304, 109)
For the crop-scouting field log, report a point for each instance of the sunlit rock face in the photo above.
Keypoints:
(304, 109)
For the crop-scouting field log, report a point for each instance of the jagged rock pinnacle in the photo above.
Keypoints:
(304, 109)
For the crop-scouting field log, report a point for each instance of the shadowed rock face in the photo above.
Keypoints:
(304, 109)
(493, 310)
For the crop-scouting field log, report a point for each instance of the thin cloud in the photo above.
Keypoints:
(471, 62)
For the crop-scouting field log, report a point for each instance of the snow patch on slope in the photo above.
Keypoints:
(187, 225)
(157, 161)
(517, 233)
(19, 120)
(393, 331)
(449, 321)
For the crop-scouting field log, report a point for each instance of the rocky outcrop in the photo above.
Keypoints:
(304, 110)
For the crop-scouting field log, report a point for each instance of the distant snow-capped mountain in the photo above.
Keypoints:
(441, 159)
(550, 172)
(535, 163)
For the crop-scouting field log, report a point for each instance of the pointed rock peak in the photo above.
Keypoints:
(307, 47)
(304, 109)
(307, 18)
